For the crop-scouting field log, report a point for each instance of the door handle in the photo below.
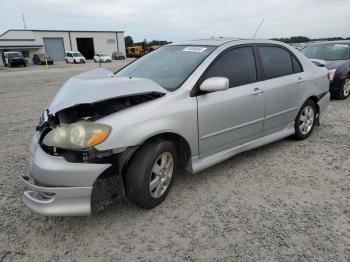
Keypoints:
(257, 91)
(300, 81)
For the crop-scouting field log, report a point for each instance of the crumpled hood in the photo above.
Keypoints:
(98, 85)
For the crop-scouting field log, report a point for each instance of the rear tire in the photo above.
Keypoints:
(150, 173)
(305, 120)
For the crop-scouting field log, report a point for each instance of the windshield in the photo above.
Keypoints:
(14, 55)
(168, 66)
(101, 55)
(42, 56)
(327, 51)
(77, 54)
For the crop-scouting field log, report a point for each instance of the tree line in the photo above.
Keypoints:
(290, 40)
(305, 39)
(129, 42)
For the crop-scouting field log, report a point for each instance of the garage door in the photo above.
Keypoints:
(54, 47)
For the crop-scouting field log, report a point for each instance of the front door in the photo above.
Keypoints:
(235, 116)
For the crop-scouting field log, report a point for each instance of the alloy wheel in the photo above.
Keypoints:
(306, 120)
(161, 174)
(346, 88)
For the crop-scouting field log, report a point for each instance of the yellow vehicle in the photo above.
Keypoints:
(134, 51)
(151, 48)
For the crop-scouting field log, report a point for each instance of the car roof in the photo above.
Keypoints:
(208, 42)
(224, 40)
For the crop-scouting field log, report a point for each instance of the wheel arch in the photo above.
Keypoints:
(182, 146)
(315, 99)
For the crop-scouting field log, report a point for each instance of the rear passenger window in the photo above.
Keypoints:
(276, 62)
(296, 65)
(238, 65)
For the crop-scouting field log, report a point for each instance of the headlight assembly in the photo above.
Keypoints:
(80, 135)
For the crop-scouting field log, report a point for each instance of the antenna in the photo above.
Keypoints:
(24, 22)
(257, 30)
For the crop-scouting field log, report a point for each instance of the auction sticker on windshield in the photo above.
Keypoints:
(195, 49)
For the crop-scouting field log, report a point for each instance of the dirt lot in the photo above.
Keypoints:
(288, 201)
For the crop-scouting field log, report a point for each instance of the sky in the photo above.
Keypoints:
(183, 20)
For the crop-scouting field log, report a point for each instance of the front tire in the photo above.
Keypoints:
(150, 173)
(343, 92)
(305, 120)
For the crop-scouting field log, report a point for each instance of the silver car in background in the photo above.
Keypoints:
(191, 105)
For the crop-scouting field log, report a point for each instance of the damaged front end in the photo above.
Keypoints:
(57, 170)
(88, 97)
(87, 113)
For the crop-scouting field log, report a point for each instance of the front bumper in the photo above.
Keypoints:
(336, 84)
(56, 201)
(17, 62)
(61, 188)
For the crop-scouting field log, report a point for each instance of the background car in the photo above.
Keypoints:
(118, 56)
(336, 57)
(40, 59)
(103, 58)
(13, 59)
(74, 57)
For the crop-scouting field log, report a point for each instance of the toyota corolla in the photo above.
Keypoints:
(190, 105)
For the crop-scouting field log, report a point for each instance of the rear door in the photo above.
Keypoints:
(283, 83)
(235, 116)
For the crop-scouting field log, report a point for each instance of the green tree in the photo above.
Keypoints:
(128, 41)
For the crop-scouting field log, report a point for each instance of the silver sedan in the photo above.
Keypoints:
(191, 104)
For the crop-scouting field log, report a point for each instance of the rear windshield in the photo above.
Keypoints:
(168, 66)
(77, 54)
(327, 51)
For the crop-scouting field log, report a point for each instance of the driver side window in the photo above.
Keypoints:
(238, 65)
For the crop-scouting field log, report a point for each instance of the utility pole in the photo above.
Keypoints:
(257, 30)
(24, 22)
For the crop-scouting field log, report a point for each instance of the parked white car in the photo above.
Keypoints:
(74, 57)
(103, 58)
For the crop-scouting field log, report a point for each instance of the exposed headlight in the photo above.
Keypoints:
(331, 74)
(79, 135)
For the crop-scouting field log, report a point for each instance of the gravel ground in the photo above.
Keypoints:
(288, 201)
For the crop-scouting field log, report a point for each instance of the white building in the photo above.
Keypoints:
(56, 42)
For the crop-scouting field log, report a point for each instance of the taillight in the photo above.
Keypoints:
(331, 74)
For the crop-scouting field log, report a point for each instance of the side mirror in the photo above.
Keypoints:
(215, 84)
(318, 62)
